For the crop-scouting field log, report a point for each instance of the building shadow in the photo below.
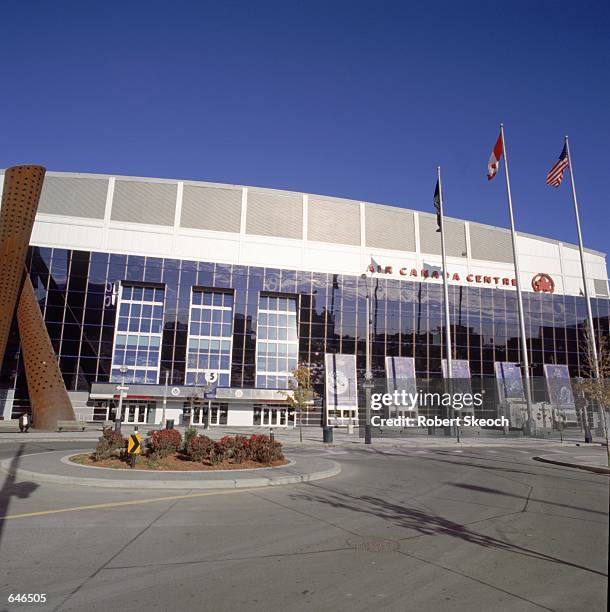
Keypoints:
(528, 499)
(11, 488)
(428, 524)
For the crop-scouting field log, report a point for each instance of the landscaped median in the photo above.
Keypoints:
(166, 450)
(170, 462)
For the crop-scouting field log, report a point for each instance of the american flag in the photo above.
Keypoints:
(555, 175)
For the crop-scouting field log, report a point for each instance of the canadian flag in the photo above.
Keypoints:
(494, 159)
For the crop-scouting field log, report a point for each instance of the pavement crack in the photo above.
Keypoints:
(527, 500)
(229, 559)
(302, 513)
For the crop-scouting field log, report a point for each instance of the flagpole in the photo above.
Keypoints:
(524, 355)
(445, 288)
(593, 347)
(582, 263)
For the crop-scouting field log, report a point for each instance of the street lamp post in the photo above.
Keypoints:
(163, 423)
(118, 417)
(208, 413)
(368, 375)
(582, 400)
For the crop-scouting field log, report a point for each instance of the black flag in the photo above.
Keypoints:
(437, 205)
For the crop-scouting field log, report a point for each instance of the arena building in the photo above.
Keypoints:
(157, 282)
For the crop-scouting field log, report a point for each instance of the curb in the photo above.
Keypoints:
(66, 459)
(587, 468)
(228, 483)
(33, 440)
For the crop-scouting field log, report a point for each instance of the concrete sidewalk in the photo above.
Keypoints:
(312, 437)
(56, 468)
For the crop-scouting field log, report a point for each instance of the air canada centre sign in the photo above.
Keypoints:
(425, 273)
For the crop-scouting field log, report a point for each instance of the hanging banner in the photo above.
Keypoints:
(560, 391)
(460, 376)
(511, 393)
(400, 375)
(460, 368)
(509, 381)
(341, 387)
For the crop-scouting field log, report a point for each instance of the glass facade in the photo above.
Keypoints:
(277, 344)
(209, 336)
(137, 340)
(75, 292)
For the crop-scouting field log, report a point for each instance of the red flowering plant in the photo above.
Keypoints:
(235, 449)
(165, 442)
(205, 450)
(265, 450)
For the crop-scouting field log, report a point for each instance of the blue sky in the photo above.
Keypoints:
(353, 99)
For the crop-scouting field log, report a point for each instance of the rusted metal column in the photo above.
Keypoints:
(48, 396)
(22, 187)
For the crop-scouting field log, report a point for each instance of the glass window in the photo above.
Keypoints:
(211, 317)
(143, 337)
(277, 341)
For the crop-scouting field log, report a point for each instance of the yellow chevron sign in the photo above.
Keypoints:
(134, 445)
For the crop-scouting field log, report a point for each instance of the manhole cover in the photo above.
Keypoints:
(373, 544)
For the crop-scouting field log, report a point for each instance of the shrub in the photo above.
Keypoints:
(189, 434)
(205, 450)
(110, 443)
(165, 442)
(235, 449)
(264, 450)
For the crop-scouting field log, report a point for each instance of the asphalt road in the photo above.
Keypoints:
(399, 529)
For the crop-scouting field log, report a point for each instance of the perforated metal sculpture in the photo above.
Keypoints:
(48, 396)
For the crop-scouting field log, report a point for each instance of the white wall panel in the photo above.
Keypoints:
(240, 415)
(69, 236)
(141, 242)
(335, 223)
(343, 260)
(529, 246)
(205, 248)
(277, 253)
(533, 264)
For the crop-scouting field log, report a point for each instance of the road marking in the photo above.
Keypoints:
(134, 502)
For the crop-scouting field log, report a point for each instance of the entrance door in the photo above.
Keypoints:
(135, 412)
(219, 414)
(276, 416)
(199, 415)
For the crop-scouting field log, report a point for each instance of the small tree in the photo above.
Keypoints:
(195, 397)
(301, 393)
(595, 384)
